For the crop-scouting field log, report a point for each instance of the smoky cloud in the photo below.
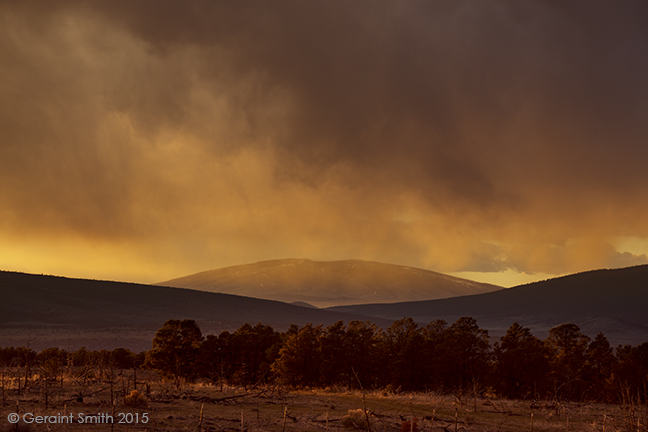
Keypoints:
(452, 135)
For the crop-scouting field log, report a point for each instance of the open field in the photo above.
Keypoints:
(164, 407)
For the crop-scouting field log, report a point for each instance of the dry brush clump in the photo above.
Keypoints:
(136, 400)
(355, 419)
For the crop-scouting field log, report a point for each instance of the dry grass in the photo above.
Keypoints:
(203, 407)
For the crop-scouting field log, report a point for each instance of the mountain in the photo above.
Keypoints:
(49, 311)
(330, 283)
(45, 311)
(614, 302)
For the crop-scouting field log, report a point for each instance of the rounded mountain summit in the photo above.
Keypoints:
(330, 283)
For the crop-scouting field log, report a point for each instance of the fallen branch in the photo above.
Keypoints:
(76, 398)
(206, 399)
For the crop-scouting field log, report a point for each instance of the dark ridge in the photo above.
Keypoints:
(612, 301)
(88, 309)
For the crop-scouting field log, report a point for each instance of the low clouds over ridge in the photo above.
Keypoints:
(448, 135)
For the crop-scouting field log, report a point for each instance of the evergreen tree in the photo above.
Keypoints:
(403, 355)
(568, 347)
(600, 363)
(216, 358)
(466, 353)
(299, 359)
(434, 335)
(175, 350)
(632, 370)
(333, 349)
(361, 343)
(521, 364)
(252, 349)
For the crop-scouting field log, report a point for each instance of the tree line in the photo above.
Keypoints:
(457, 358)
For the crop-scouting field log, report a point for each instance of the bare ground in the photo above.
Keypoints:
(201, 407)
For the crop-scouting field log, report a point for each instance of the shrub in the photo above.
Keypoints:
(136, 400)
(355, 419)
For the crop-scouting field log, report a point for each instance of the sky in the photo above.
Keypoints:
(502, 141)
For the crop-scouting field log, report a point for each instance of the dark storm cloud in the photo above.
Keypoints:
(432, 93)
(520, 124)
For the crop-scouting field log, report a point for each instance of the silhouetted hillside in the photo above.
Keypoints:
(331, 283)
(49, 310)
(612, 301)
(57, 310)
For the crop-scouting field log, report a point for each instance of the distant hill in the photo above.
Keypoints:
(57, 311)
(614, 302)
(331, 283)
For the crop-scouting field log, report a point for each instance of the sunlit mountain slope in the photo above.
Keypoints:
(331, 283)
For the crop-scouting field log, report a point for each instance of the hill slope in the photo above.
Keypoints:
(612, 301)
(331, 283)
(50, 310)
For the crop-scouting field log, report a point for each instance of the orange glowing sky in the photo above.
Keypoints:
(500, 141)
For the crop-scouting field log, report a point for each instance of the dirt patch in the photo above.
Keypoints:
(150, 404)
